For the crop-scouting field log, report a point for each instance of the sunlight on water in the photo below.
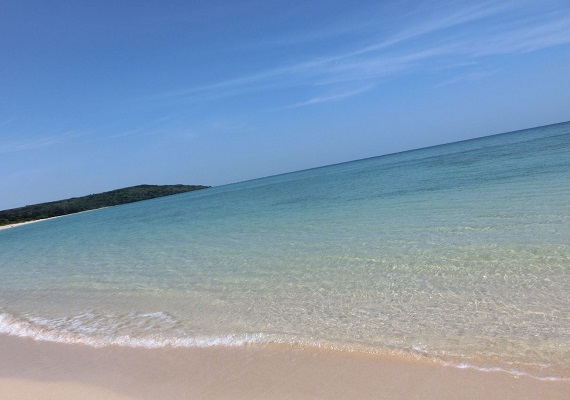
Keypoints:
(458, 252)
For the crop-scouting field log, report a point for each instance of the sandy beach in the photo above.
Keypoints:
(44, 219)
(39, 220)
(23, 223)
(32, 369)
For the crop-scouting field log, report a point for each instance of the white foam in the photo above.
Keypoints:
(74, 332)
(100, 331)
(514, 372)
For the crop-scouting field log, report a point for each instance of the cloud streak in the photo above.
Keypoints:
(462, 35)
(38, 142)
(332, 97)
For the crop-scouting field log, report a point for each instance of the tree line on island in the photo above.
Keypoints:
(91, 202)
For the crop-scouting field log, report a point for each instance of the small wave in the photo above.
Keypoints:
(420, 352)
(156, 330)
(514, 372)
(98, 331)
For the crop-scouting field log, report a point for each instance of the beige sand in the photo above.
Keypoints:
(56, 370)
(45, 219)
(38, 220)
(24, 223)
(23, 389)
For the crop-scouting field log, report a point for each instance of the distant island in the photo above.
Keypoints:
(91, 202)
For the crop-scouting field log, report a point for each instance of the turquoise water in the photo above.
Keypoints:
(459, 252)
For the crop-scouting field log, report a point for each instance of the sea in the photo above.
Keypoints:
(458, 253)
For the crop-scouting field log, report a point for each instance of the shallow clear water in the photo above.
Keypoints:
(458, 252)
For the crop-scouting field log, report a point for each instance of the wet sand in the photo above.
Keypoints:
(32, 369)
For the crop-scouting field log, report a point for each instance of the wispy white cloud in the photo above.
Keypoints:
(381, 66)
(38, 142)
(464, 33)
(150, 128)
(332, 97)
(429, 26)
(468, 76)
(524, 37)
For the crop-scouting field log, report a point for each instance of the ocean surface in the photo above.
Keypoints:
(459, 252)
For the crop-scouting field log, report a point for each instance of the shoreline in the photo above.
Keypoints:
(46, 219)
(25, 331)
(30, 222)
(252, 371)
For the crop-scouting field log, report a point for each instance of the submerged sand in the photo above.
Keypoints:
(32, 369)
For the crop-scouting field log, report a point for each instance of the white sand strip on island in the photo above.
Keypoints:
(251, 372)
(28, 222)
(45, 219)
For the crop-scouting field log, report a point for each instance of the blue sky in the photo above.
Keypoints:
(97, 95)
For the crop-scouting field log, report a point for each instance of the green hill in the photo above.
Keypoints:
(91, 202)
